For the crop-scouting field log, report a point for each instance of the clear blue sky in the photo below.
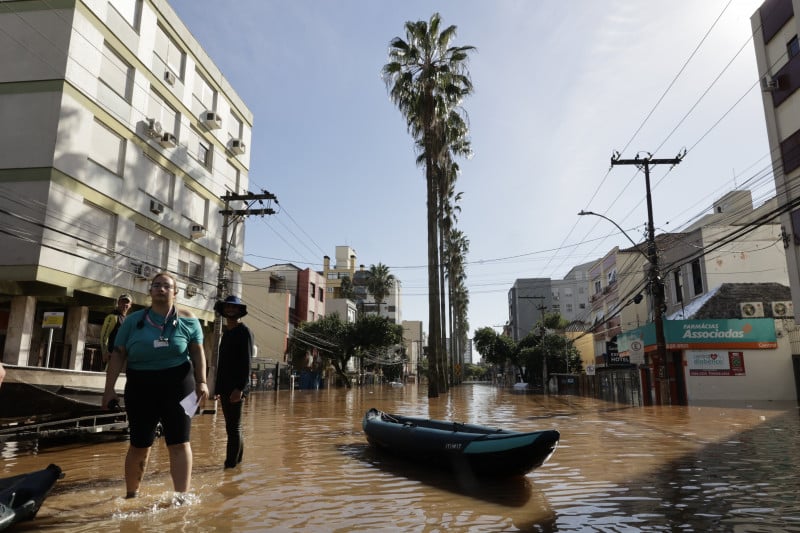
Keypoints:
(558, 84)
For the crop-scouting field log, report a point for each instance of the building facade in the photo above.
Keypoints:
(528, 300)
(345, 268)
(125, 138)
(776, 25)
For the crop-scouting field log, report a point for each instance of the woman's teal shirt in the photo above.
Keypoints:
(140, 336)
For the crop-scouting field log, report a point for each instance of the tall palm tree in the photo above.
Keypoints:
(427, 80)
(379, 283)
(457, 248)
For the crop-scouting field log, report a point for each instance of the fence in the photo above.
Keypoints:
(619, 385)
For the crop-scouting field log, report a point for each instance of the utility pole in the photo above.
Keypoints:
(232, 217)
(654, 277)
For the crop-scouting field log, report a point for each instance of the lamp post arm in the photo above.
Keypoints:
(636, 246)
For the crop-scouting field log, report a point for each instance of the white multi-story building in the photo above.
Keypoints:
(120, 137)
(776, 26)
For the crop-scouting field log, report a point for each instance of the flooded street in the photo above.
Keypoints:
(307, 467)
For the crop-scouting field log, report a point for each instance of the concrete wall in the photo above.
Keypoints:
(769, 375)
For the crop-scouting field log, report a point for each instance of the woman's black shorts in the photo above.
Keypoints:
(153, 396)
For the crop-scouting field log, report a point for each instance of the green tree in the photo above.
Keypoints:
(337, 341)
(527, 356)
(346, 289)
(427, 80)
(379, 283)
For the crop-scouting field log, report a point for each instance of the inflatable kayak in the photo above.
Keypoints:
(22, 495)
(485, 451)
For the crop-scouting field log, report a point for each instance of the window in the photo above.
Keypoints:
(697, 277)
(598, 287)
(568, 292)
(94, 227)
(147, 247)
(676, 278)
(204, 154)
(169, 53)
(569, 308)
(158, 109)
(793, 47)
(555, 294)
(234, 127)
(116, 73)
(313, 291)
(204, 97)
(612, 276)
(196, 207)
(321, 295)
(581, 306)
(232, 179)
(107, 149)
(581, 290)
(190, 265)
(130, 10)
(157, 181)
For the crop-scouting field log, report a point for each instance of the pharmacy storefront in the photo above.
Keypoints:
(721, 359)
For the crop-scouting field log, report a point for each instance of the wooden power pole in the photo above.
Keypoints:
(232, 217)
(655, 281)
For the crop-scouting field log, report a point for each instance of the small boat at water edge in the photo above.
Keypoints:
(483, 450)
(22, 495)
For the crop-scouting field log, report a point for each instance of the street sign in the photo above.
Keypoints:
(53, 320)
(636, 349)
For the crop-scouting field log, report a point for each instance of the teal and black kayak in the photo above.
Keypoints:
(22, 495)
(486, 451)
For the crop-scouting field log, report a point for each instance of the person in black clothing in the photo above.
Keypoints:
(233, 373)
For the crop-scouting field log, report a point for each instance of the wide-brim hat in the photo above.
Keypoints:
(231, 300)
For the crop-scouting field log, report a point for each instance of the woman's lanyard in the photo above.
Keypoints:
(162, 341)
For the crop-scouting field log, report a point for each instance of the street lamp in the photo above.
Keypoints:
(584, 213)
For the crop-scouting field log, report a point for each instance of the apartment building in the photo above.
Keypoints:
(121, 137)
(279, 297)
(734, 244)
(345, 268)
(776, 25)
(528, 300)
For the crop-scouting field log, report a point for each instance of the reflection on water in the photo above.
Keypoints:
(307, 467)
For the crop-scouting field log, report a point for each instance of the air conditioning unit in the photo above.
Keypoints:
(783, 309)
(169, 77)
(142, 270)
(156, 207)
(191, 290)
(153, 128)
(237, 146)
(198, 231)
(770, 84)
(751, 309)
(212, 120)
(168, 140)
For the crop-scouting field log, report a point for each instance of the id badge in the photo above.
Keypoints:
(160, 343)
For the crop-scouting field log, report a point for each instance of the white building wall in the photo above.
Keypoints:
(51, 99)
(781, 122)
(758, 257)
(769, 376)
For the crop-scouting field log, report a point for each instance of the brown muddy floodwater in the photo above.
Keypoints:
(308, 467)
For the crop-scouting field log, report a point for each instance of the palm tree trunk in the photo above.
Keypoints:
(445, 380)
(434, 317)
